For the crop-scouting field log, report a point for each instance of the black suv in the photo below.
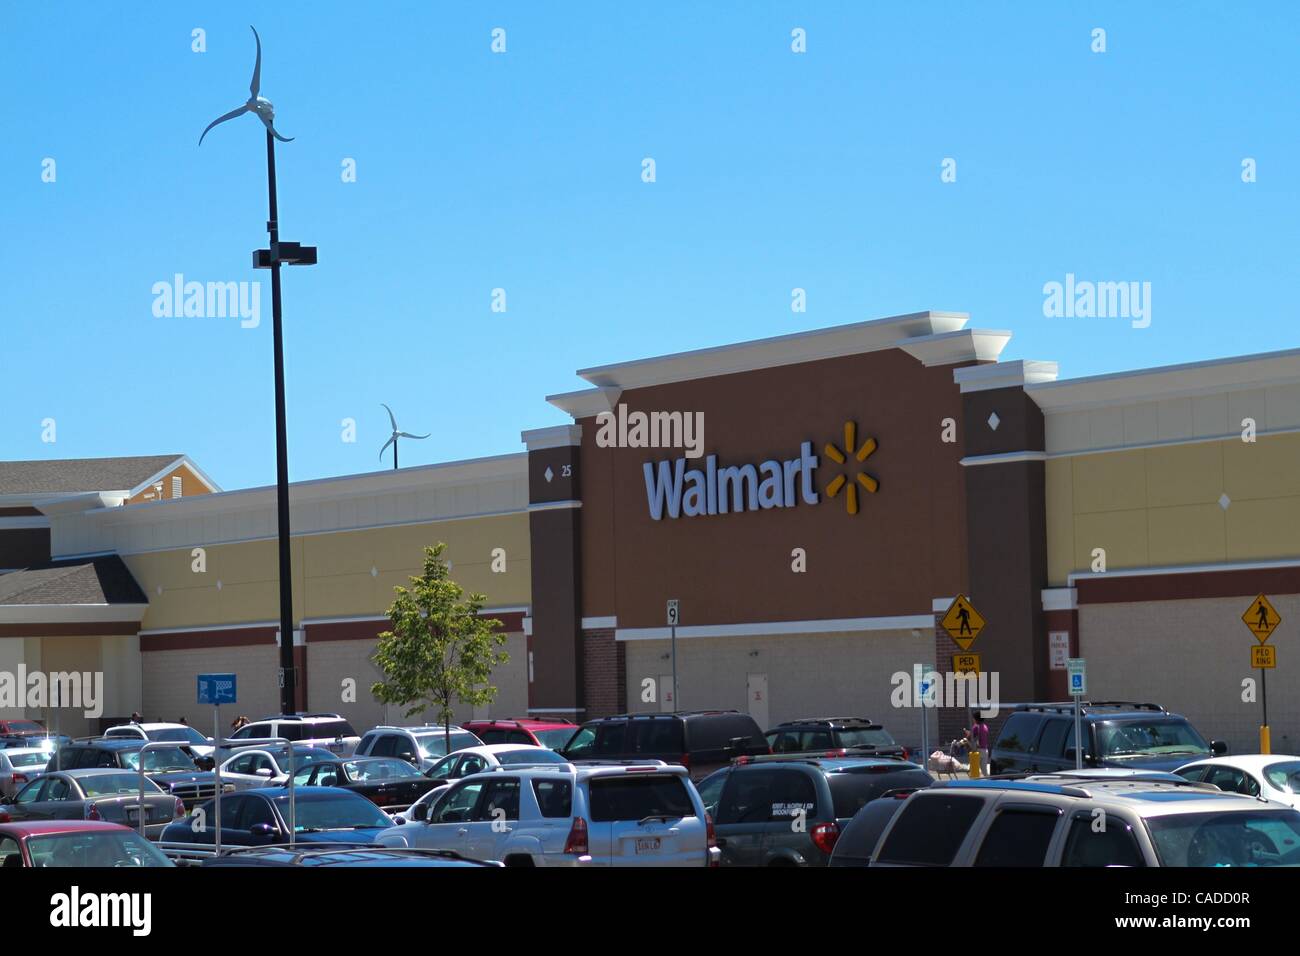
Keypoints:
(172, 768)
(810, 734)
(701, 741)
(1039, 738)
(787, 810)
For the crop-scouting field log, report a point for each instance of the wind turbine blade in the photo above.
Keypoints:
(257, 67)
(283, 139)
(409, 435)
(390, 416)
(385, 448)
(221, 119)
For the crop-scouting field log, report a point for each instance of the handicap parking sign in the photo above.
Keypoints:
(1078, 676)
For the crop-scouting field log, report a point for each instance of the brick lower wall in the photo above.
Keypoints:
(604, 674)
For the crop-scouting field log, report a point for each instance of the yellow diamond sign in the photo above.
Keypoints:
(962, 622)
(1262, 618)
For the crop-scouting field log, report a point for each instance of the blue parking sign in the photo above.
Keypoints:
(216, 689)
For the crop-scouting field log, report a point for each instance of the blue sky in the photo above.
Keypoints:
(522, 171)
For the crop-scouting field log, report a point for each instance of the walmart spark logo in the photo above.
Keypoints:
(862, 478)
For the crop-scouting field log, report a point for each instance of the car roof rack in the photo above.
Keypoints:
(598, 762)
(828, 720)
(544, 720)
(816, 756)
(1088, 706)
(662, 714)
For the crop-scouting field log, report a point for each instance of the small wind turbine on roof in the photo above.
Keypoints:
(396, 435)
(259, 105)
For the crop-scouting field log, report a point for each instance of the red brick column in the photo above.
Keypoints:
(604, 674)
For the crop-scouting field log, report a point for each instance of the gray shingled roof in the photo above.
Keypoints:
(105, 580)
(65, 475)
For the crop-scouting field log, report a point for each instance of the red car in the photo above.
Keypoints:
(21, 728)
(523, 730)
(75, 843)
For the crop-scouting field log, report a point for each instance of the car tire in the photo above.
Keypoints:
(519, 861)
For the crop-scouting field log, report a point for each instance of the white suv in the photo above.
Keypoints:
(645, 813)
(184, 734)
(327, 731)
(422, 747)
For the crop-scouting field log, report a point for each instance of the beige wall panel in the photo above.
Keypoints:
(1193, 534)
(1122, 533)
(1191, 657)
(170, 686)
(1259, 530)
(1269, 467)
(1184, 474)
(67, 654)
(1109, 482)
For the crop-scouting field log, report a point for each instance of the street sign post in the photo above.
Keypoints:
(674, 615)
(1262, 619)
(217, 689)
(962, 622)
(1077, 670)
(924, 686)
(965, 663)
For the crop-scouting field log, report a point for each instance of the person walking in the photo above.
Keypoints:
(979, 741)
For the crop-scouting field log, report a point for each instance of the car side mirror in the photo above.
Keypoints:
(1219, 747)
(263, 771)
(420, 812)
(264, 833)
(1070, 755)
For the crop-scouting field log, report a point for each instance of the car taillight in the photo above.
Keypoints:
(577, 841)
(18, 778)
(5, 818)
(824, 836)
(712, 836)
(178, 811)
(92, 812)
(686, 761)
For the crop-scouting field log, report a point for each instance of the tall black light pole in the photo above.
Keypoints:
(279, 253)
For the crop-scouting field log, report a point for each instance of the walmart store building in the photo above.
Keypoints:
(849, 483)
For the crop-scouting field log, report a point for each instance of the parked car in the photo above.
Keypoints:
(701, 741)
(1039, 738)
(50, 742)
(75, 843)
(326, 731)
(18, 767)
(472, 760)
(1051, 820)
(858, 840)
(342, 856)
(170, 767)
(385, 781)
(187, 736)
(790, 810)
(269, 766)
(645, 814)
(98, 794)
(261, 817)
(22, 728)
(523, 730)
(1270, 776)
(821, 734)
(419, 746)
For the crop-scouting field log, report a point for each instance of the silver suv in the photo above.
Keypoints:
(645, 813)
(1080, 820)
(422, 747)
(327, 731)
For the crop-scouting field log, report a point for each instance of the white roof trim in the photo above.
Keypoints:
(1170, 381)
(69, 613)
(771, 628)
(949, 348)
(554, 436)
(588, 402)
(1075, 576)
(1021, 372)
(774, 352)
(182, 460)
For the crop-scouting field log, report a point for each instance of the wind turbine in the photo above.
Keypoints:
(256, 104)
(396, 435)
(279, 253)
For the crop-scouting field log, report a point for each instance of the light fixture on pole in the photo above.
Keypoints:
(279, 253)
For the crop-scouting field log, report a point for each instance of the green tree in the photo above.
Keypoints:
(439, 650)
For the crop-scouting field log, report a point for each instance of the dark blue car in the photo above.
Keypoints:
(261, 818)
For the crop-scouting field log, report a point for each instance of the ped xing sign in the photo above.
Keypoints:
(1263, 656)
(965, 663)
(216, 689)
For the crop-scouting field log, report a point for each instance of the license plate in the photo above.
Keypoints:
(647, 844)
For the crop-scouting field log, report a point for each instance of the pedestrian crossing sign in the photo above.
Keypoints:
(962, 622)
(1261, 618)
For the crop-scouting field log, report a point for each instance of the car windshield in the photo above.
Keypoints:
(301, 758)
(535, 755)
(555, 739)
(37, 759)
(160, 760)
(95, 848)
(1131, 738)
(1240, 838)
(866, 737)
(435, 744)
(342, 812)
(182, 734)
(111, 784)
(386, 769)
(1284, 775)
